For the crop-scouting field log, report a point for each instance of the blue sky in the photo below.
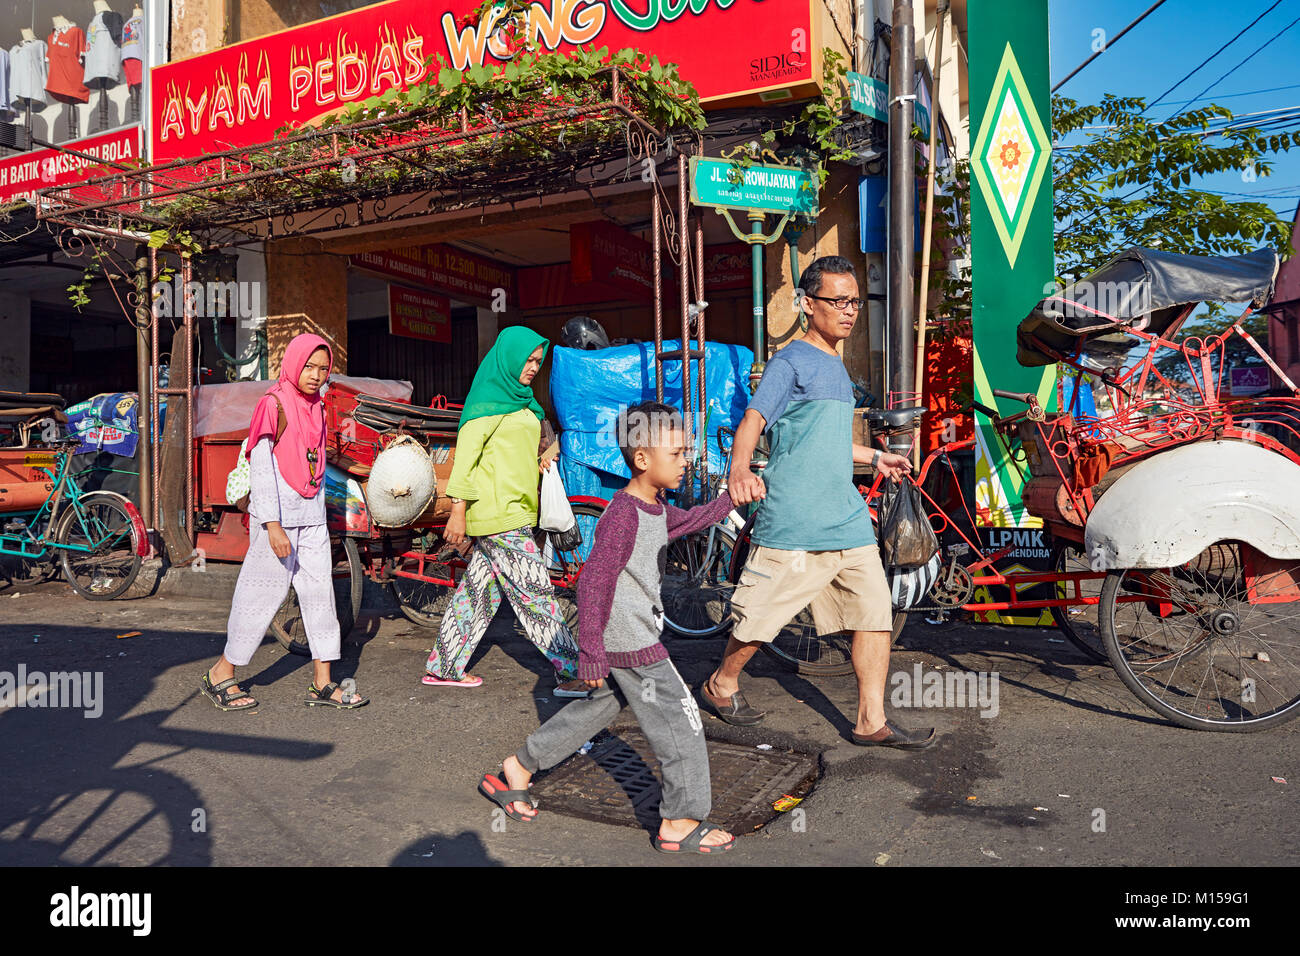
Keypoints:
(1170, 42)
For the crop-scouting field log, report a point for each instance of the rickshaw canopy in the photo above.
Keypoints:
(1140, 289)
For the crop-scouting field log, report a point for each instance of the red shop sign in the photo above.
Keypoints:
(602, 252)
(419, 315)
(728, 266)
(23, 174)
(733, 51)
(459, 274)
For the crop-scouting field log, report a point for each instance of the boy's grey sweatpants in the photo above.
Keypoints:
(666, 710)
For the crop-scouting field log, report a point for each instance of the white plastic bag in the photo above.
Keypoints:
(556, 515)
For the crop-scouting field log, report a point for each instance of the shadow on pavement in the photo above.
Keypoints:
(77, 789)
(440, 849)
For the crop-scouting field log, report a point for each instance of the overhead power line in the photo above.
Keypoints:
(1150, 10)
(1200, 65)
(1258, 50)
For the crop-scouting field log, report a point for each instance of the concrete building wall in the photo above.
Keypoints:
(256, 18)
(307, 291)
(199, 26)
(16, 336)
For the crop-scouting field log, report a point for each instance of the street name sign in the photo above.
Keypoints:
(784, 189)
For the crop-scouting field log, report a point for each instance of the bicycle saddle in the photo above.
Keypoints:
(886, 419)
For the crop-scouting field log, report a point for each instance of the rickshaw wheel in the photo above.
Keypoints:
(349, 587)
(421, 602)
(1205, 645)
(1078, 624)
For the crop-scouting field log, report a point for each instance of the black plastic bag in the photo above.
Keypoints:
(570, 540)
(906, 538)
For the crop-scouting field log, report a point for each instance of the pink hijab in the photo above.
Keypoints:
(304, 428)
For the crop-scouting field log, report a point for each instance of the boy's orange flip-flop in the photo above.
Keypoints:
(499, 792)
(693, 842)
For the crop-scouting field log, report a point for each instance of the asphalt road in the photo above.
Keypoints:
(1071, 770)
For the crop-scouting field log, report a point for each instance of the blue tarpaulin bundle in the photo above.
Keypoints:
(106, 423)
(589, 388)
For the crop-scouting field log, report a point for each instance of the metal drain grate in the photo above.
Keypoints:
(618, 782)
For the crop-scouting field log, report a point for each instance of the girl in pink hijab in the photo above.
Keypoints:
(289, 544)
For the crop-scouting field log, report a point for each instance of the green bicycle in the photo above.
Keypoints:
(98, 538)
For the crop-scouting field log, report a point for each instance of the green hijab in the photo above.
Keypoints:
(496, 389)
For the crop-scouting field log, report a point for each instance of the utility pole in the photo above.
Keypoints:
(902, 187)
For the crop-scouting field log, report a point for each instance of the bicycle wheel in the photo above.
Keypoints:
(423, 602)
(800, 648)
(696, 591)
(1078, 623)
(349, 587)
(1211, 645)
(564, 567)
(99, 546)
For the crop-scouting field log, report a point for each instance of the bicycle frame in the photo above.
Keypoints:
(568, 579)
(49, 509)
(1013, 582)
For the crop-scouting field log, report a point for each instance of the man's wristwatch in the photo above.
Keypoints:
(875, 461)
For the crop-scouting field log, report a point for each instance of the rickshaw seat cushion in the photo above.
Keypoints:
(383, 415)
(32, 414)
(19, 400)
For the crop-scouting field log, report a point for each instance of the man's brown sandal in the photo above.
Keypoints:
(898, 738)
(734, 709)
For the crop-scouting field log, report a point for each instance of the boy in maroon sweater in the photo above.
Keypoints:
(620, 622)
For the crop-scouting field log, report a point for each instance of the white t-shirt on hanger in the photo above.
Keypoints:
(28, 72)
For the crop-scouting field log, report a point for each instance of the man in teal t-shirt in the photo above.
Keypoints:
(812, 544)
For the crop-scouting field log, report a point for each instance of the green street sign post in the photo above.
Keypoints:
(758, 189)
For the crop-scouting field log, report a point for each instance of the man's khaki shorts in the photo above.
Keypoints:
(845, 590)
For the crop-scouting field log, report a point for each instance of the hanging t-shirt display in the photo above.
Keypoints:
(4, 79)
(133, 49)
(103, 53)
(27, 71)
(66, 73)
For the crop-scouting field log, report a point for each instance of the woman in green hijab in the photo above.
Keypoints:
(494, 492)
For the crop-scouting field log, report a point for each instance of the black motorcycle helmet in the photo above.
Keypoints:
(583, 332)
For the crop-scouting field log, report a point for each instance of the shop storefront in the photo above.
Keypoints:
(409, 249)
(587, 251)
(74, 96)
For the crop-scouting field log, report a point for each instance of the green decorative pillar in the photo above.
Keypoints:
(1012, 255)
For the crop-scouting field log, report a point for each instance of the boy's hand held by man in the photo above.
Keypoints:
(744, 486)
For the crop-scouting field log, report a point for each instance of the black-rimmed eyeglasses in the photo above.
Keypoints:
(842, 302)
